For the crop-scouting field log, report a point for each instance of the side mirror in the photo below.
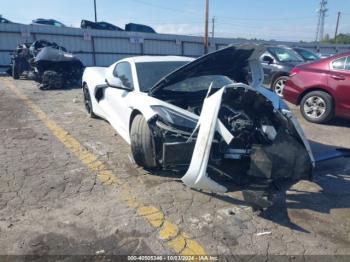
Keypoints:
(267, 59)
(115, 82)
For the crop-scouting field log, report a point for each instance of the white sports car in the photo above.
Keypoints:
(207, 117)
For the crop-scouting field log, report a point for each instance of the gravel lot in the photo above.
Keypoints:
(54, 201)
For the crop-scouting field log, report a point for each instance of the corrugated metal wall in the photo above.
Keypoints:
(102, 48)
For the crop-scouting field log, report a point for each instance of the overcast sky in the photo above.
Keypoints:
(289, 20)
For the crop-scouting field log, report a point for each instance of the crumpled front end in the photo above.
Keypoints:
(239, 132)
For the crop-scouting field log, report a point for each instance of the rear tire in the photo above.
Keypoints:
(142, 143)
(317, 107)
(88, 103)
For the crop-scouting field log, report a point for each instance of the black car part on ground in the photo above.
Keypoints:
(47, 63)
(86, 24)
(139, 28)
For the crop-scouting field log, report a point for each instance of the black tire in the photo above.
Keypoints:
(317, 107)
(52, 80)
(142, 143)
(278, 85)
(87, 102)
(15, 74)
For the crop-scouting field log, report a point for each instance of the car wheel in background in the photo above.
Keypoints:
(142, 143)
(317, 107)
(15, 73)
(87, 102)
(278, 85)
(52, 80)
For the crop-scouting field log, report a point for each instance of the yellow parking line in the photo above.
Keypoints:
(176, 240)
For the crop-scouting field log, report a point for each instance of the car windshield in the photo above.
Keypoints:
(149, 73)
(200, 83)
(307, 55)
(284, 54)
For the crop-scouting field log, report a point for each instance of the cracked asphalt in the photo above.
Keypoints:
(54, 200)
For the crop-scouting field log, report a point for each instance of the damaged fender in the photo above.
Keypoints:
(197, 176)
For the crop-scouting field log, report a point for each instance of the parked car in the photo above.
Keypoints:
(139, 28)
(49, 64)
(306, 54)
(277, 63)
(85, 24)
(52, 22)
(321, 88)
(4, 20)
(192, 115)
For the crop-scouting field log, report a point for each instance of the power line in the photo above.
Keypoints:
(321, 20)
(165, 8)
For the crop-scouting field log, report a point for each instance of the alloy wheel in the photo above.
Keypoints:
(315, 107)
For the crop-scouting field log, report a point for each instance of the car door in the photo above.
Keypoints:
(267, 68)
(116, 99)
(339, 81)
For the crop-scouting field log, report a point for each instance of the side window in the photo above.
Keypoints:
(265, 54)
(347, 65)
(339, 64)
(123, 71)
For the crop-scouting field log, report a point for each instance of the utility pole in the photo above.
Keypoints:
(95, 10)
(336, 28)
(213, 27)
(206, 26)
(321, 20)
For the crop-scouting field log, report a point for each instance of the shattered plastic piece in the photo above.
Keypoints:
(264, 233)
(197, 176)
(270, 131)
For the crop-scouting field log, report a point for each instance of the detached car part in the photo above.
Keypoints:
(46, 62)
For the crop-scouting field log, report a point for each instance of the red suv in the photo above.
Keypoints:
(321, 88)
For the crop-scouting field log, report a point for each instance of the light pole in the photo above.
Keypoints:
(206, 26)
(95, 10)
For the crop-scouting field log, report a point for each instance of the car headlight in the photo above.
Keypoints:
(175, 118)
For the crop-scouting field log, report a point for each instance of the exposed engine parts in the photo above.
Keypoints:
(260, 137)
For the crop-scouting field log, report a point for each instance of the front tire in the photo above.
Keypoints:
(278, 85)
(142, 143)
(317, 107)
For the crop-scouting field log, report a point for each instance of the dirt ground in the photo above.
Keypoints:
(68, 187)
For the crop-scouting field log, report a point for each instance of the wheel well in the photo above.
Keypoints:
(133, 115)
(311, 90)
(277, 75)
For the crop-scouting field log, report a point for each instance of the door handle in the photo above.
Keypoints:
(338, 77)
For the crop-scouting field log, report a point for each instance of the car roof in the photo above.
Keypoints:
(144, 59)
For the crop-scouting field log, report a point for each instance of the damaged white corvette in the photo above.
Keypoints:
(206, 117)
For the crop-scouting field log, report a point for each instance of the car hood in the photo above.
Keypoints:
(54, 55)
(229, 61)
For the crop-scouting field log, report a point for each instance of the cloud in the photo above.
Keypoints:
(179, 29)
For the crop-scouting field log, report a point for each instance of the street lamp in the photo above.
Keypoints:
(95, 11)
(206, 24)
